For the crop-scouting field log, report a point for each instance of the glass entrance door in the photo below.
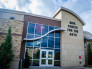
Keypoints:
(46, 57)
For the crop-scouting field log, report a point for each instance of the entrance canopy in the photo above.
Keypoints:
(60, 29)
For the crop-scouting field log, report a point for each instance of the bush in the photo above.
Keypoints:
(89, 54)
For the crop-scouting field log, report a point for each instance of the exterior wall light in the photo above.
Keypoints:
(12, 17)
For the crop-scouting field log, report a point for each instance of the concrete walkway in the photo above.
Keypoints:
(37, 67)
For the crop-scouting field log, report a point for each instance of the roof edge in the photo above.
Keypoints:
(87, 32)
(70, 11)
(25, 13)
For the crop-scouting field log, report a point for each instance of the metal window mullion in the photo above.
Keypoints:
(34, 30)
(54, 38)
(47, 37)
(32, 53)
(41, 38)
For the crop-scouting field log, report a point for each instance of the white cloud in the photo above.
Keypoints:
(41, 7)
(9, 3)
(47, 7)
(87, 17)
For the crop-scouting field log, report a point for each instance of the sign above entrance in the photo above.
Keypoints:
(73, 29)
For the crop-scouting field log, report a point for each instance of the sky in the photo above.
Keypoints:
(48, 7)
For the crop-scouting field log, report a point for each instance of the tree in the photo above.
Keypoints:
(6, 52)
(89, 54)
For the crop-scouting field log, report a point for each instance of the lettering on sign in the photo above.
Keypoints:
(73, 29)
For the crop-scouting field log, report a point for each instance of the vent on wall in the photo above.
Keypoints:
(12, 17)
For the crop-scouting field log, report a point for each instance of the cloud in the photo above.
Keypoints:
(47, 7)
(42, 7)
(10, 4)
(87, 17)
(83, 8)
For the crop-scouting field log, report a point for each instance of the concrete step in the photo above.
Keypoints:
(56, 67)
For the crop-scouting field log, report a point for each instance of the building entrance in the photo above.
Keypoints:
(46, 57)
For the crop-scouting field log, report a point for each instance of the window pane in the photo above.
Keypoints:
(51, 34)
(43, 54)
(43, 61)
(31, 28)
(56, 63)
(30, 36)
(57, 27)
(51, 42)
(29, 52)
(37, 36)
(36, 53)
(57, 34)
(50, 54)
(49, 61)
(30, 63)
(57, 54)
(29, 43)
(51, 28)
(35, 62)
(44, 29)
(38, 29)
(37, 43)
(44, 42)
(57, 42)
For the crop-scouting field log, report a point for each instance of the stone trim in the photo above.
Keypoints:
(13, 34)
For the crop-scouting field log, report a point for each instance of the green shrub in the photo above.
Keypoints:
(6, 52)
(89, 54)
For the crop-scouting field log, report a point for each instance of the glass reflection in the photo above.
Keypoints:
(51, 42)
(56, 63)
(50, 54)
(57, 34)
(49, 61)
(43, 61)
(57, 54)
(51, 28)
(51, 34)
(30, 63)
(57, 27)
(29, 52)
(35, 62)
(37, 36)
(31, 28)
(44, 29)
(57, 42)
(36, 53)
(48, 42)
(43, 54)
(29, 43)
(44, 42)
(38, 29)
(37, 43)
(29, 36)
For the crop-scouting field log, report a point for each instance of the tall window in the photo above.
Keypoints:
(50, 41)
